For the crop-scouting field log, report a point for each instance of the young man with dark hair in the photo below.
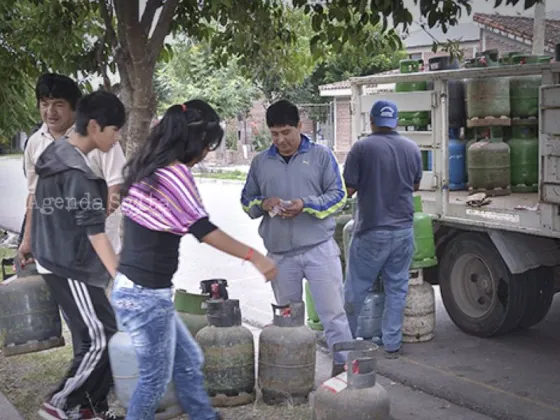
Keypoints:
(56, 97)
(385, 169)
(296, 187)
(74, 255)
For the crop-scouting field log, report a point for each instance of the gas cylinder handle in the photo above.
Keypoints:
(224, 313)
(290, 315)
(361, 354)
(361, 369)
(6, 262)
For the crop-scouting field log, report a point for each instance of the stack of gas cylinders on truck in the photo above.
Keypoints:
(493, 124)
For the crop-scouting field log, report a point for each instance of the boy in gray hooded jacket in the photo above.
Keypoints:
(74, 255)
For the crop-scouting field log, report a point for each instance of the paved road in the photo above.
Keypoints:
(513, 377)
(13, 192)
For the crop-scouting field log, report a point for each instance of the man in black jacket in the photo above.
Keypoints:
(74, 255)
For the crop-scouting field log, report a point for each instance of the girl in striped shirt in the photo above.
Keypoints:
(161, 204)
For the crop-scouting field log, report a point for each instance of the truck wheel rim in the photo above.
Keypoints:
(473, 286)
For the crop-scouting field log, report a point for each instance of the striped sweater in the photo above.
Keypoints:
(173, 204)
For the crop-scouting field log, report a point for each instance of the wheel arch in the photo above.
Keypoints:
(521, 252)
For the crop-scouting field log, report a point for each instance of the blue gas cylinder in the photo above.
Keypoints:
(371, 315)
(456, 161)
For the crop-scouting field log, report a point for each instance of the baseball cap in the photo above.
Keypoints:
(384, 114)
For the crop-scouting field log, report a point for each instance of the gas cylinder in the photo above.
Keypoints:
(313, 320)
(191, 307)
(420, 310)
(29, 315)
(456, 161)
(487, 96)
(524, 90)
(286, 368)
(371, 315)
(415, 118)
(347, 237)
(354, 394)
(124, 367)
(341, 221)
(524, 152)
(455, 89)
(424, 243)
(470, 137)
(229, 355)
(489, 165)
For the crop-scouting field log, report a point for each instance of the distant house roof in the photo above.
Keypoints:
(345, 84)
(522, 27)
(464, 32)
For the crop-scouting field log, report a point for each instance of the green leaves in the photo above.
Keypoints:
(190, 74)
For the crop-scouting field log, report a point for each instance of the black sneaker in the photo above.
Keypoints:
(88, 414)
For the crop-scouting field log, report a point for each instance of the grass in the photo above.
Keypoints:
(235, 175)
(27, 379)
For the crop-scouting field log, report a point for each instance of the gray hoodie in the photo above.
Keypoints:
(70, 203)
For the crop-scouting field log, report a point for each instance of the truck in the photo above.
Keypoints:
(498, 264)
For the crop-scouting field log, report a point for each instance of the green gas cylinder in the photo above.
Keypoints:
(347, 236)
(489, 165)
(524, 156)
(420, 118)
(191, 309)
(313, 320)
(524, 90)
(424, 242)
(487, 96)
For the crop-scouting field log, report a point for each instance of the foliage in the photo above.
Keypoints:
(231, 139)
(262, 138)
(80, 37)
(192, 73)
(348, 61)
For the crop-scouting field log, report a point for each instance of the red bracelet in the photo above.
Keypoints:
(249, 254)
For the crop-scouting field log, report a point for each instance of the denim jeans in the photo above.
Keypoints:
(385, 252)
(165, 350)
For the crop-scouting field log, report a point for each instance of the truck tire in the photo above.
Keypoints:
(479, 292)
(540, 293)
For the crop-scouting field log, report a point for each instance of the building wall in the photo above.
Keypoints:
(343, 134)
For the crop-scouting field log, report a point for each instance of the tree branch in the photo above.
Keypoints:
(148, 15)
(162, 28)
(107, 18)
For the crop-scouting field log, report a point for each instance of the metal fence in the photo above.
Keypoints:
(318, 122)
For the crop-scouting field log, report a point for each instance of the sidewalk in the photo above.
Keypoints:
(7, 410)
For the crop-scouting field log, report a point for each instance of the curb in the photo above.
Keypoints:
(218, 180)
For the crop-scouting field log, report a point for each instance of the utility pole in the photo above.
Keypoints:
(539, 24)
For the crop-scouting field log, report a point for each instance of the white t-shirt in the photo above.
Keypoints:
(108, 166)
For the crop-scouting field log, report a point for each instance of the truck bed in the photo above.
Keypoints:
(517, 212)
(508, 202)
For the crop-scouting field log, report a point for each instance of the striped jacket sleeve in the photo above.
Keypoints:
(334, 194)
(251, 196)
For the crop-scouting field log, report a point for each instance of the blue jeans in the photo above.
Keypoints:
(385, 252)
(165, 350)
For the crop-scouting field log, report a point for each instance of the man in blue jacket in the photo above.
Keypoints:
(296, 187)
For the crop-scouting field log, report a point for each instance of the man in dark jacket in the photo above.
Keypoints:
(74, 255)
